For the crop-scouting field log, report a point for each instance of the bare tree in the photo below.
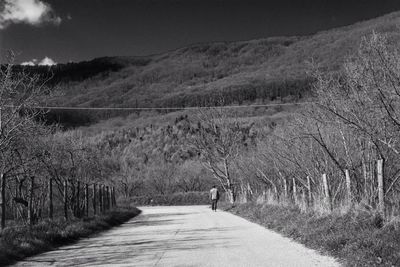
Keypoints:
(218, 140)
(19, 93)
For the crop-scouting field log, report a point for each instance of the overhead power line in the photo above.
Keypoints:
(164, 108)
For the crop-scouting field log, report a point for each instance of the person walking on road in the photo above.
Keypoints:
(214, 195)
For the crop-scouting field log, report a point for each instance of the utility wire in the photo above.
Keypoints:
(163, 108)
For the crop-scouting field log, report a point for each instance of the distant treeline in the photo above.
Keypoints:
(75, 72)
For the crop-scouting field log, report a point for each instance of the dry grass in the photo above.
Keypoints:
(17, 243)
(358, 237)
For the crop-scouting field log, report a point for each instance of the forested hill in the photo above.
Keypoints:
(241, 71)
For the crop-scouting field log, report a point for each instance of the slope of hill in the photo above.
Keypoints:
(260, 70)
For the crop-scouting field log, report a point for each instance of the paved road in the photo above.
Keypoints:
(184, 236)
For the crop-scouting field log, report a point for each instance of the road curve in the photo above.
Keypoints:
(184, 236)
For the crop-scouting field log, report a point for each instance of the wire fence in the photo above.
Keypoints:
(30, 200)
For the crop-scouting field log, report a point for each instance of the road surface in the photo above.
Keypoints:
(184, 236)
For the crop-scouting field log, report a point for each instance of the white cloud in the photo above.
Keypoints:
(29, 63)
(44, 62)
(33, 12)
(47, 62)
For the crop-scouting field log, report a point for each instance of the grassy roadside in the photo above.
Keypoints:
(357, 238)
(17, 243)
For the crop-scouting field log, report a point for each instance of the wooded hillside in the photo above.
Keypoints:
(245, 71)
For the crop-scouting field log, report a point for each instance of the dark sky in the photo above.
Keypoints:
(140, 27)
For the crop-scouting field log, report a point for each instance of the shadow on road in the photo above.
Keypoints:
(144, 239)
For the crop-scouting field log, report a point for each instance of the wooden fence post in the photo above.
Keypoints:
(304, 200)
(86, 200)
(94, 200)
(349, 196)
(111, 197)
(294, 192)
(108, 198)
(105, 197)
(30, 203)
(14, 205)
(3, 200)
(309, 200)
(365, 176)
(77, 200)
(381, 188)
(114, 199)
(285, 189)
(101, 198)
(326, 192)
(66, 200)
(50, 198)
